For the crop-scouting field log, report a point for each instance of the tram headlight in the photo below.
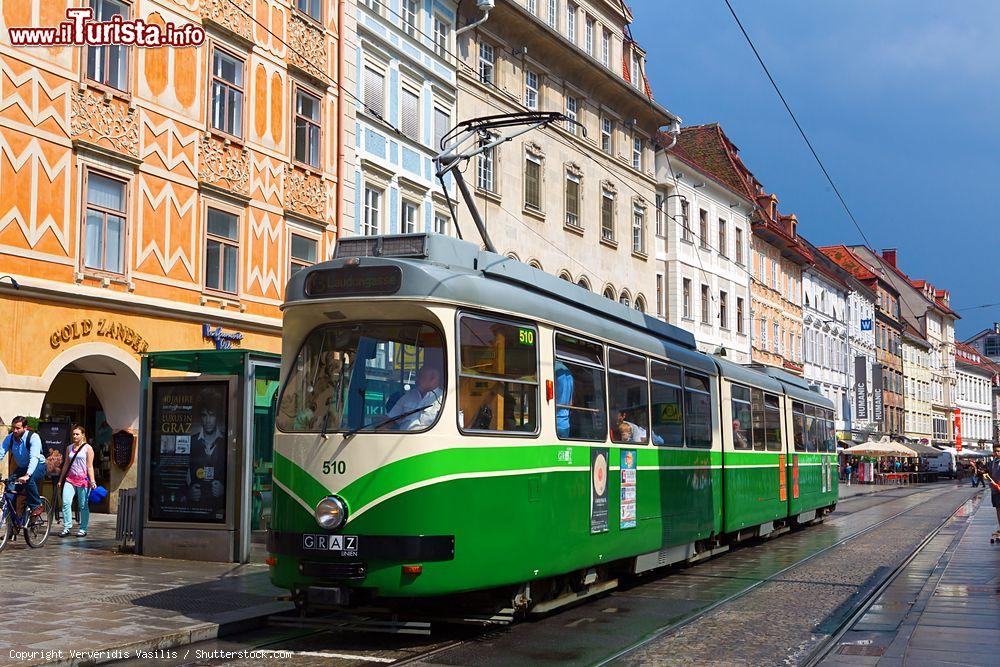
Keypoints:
(331, 513)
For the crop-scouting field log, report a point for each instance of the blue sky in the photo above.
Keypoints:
(899, 97)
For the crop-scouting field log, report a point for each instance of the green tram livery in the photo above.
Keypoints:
(456, 423)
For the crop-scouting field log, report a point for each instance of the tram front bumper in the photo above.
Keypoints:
(337, 548)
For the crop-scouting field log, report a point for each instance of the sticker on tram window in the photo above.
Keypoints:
(526, 336)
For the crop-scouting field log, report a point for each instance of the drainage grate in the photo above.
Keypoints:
(861, 649)
(187, 601)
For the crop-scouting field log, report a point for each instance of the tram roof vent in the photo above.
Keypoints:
(396, 245)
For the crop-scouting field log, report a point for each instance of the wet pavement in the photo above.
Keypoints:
(943, 608)
(76, 599)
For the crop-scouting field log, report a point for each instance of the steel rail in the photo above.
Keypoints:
(673, 627)
(826, 646)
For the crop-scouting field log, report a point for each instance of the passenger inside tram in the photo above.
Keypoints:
(422, 403)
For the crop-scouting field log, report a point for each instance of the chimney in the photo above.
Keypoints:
(889, 255)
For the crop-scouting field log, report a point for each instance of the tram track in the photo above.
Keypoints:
(773, 577)
(800, 612)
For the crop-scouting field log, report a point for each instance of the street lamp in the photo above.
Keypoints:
(11, 279)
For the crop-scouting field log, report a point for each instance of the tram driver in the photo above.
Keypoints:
(427, 394)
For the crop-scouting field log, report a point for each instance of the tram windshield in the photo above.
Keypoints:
(365, 375)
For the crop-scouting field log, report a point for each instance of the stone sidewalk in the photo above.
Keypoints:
(943, 608)
(78, 601)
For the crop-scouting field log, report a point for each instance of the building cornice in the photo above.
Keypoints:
(92, 297)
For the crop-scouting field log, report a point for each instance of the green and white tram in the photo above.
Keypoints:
(455, 422)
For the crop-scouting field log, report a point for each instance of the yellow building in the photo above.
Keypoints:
(148, 192)
(917, 380)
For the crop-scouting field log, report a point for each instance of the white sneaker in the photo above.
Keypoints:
(81, 533)
(64, 533)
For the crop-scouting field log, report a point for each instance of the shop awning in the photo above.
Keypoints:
(923, 450)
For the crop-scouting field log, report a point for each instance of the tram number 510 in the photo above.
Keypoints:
(334, 467)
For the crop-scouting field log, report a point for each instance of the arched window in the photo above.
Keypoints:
(625, 298)
(609, 293)
(564, 275)
(535, 264)
(513, 256)
(584, 283)
(640, 303)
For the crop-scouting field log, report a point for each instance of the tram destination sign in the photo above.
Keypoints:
(354, 281)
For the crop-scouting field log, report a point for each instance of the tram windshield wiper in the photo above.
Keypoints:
(387, 420)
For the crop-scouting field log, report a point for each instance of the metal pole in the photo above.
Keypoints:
(463, 187)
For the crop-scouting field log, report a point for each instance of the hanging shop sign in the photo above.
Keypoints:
(123, 449)
(861, 388)
(957, 416)
(99, 328)
(223, 340)
(877, 405)
(866, 325)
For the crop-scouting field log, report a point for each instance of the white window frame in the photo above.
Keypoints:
(371, 218)
(532, 89)
(639, 230)
(406, 206)
(487, 63)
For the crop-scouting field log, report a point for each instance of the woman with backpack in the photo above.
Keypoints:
(78, 473)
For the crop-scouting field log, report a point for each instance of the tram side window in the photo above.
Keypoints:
(772, 423)
(498, 375)
(813, 429)
(799, 426)
(698, 408)
(668, 410)
(365, 375)
(628, 397)
(579, 385)
(741, 417)
(759, 429)
(831, 433)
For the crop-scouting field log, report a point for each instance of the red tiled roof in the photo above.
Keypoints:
(971, 356)
(843, 256)
(709, 149)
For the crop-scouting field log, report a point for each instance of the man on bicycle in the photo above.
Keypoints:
(26, 448)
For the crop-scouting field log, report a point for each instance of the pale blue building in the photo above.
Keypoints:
(406, 84)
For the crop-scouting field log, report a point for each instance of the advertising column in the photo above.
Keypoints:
(189, 500)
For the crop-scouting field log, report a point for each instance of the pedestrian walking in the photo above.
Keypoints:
(847, 473)
(993, 469)
(78, 473)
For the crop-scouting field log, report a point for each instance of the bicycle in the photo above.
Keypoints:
(36, 529)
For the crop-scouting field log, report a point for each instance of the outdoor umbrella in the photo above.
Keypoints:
(873, 448)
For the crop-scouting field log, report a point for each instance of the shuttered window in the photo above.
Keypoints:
(374, 91)
(442, 123)
(532, 183)
(410, 114)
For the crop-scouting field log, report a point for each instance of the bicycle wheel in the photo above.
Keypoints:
(37, 530)
(6, 528)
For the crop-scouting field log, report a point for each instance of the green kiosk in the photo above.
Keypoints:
(205, 453)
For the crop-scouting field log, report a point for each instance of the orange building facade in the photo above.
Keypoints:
(148, 192)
